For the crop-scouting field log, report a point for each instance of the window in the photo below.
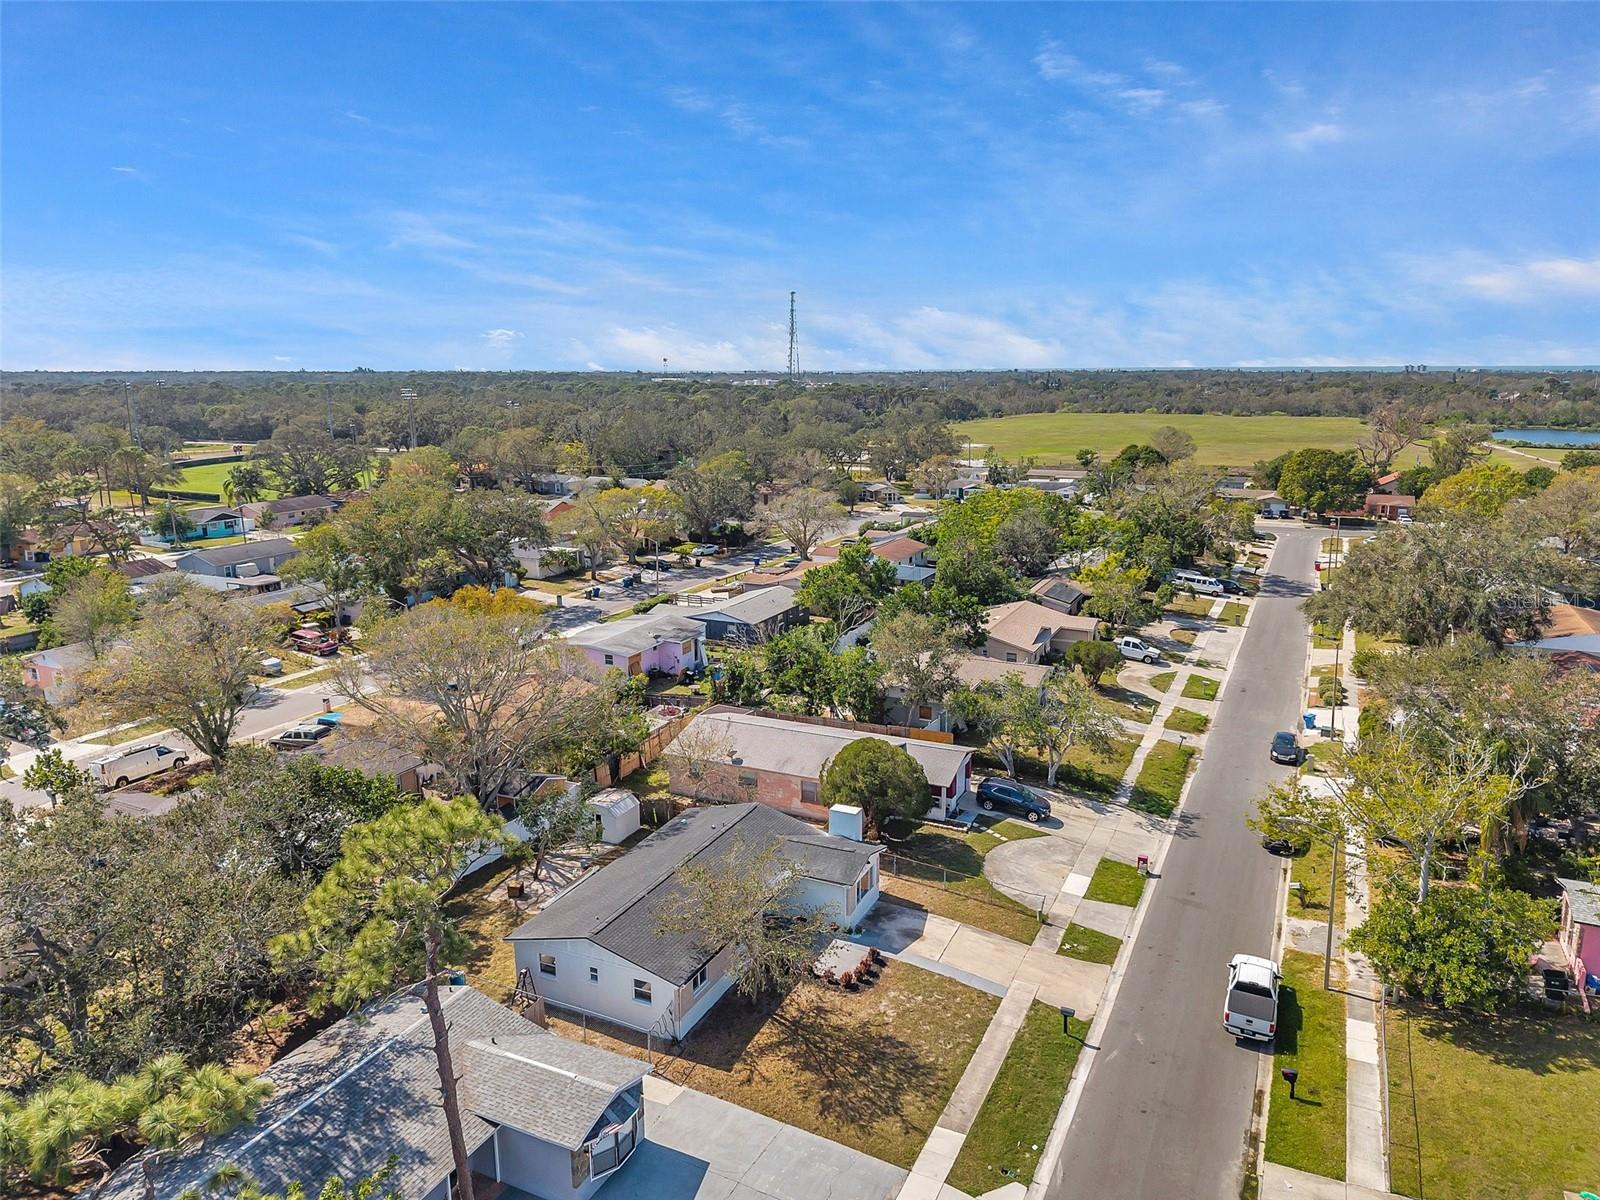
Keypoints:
(808, 791)
(610, 661)
(594, 974)
(641, 991)
(746, 779)
(547, 965)
(868, 880)
(699, 980)
(924, 712)
(1010, 657)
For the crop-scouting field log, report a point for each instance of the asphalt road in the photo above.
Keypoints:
(272, 710)
(1166, 1108)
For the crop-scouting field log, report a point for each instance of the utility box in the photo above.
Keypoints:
(845, 820)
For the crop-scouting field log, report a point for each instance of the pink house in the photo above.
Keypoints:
(660, 643)
(1580, 930)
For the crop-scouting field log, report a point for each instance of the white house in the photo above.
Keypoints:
(551, 1117)
(599, 947)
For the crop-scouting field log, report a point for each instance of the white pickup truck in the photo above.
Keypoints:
(1250, 1008)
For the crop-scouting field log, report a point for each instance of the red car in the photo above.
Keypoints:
(313, 641)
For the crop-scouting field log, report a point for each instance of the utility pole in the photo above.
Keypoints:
(133, 416)
(327, 393)
(794, 345)
(409, 395)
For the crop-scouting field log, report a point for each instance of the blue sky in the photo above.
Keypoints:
(570, 187)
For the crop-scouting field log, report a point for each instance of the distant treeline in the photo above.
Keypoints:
(647, 425)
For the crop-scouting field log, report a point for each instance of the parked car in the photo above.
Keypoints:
(1250, 1005)
(705, 550)
(1286, 749)
(1284, 846)
(1138, 650)
(1013, 797)
(1232, 587)
(313, 641)
(300, 737)
(127, 766)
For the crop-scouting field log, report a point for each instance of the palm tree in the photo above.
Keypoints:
(245, 484)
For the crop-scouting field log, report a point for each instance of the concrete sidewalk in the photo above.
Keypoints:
(939, 1153)
(1285, 1183)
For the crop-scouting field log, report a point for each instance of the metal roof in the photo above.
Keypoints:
(750, 608)
(244, 552)
(1583, 899)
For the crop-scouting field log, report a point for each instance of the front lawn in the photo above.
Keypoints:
(485, 915)
(1011, 1128)
(1492, 1108)
(1307, 1133)
(1200, 687)
(941, 871)
(1160, 781)
(1162, 681)
(1234, 613)
(1115, 882)
(1089, 945)
(1323, 638)
(872, 1069)
(1313, 871)
(1186, 720)
(1083, 769)
(1193, 606)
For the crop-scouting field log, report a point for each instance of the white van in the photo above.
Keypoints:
(1138, 650)
(1194, 581)
(1250, 1007)
(126, 766)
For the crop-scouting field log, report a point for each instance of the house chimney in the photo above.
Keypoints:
(844, 820)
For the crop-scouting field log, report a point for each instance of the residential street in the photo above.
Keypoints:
(1166, 1108)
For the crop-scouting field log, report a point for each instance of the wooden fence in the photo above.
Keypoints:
(620, 766)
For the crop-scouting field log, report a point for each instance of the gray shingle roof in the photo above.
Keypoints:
(752, 608)
(1583, 899)
(369, 1086)
(635, 635)
(543, 1084)
(620, 906)
(245, 552)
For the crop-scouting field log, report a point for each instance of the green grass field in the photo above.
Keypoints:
(1492, 1108)
(1011, 1128)
(1219, 440)
(1161, 779)
(1115, 883)
(1307, 1133)
(209, 478)
(1089, 945)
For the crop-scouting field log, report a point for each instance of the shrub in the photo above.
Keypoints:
(1364, 661)
(1094, 658)
(1330, 691)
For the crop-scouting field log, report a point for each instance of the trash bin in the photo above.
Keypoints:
(1311, 720)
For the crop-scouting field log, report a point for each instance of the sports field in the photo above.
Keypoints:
(1224, 441)
(210, 477)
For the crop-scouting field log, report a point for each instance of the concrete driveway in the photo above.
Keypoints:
(980, 959)
(1031, 871)
(697, 1147)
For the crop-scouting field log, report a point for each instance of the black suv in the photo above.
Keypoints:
(1014, 798)
(1286, 749)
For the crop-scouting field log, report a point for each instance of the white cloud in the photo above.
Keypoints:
(503, 340)
(1539, 279)
(1321, 133)
(683, 350)
(133, 173)
(281, 358)
(1057, 65)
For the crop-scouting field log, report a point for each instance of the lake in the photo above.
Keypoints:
(1550, 437)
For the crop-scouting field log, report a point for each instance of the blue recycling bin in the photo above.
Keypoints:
(1310, 720)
